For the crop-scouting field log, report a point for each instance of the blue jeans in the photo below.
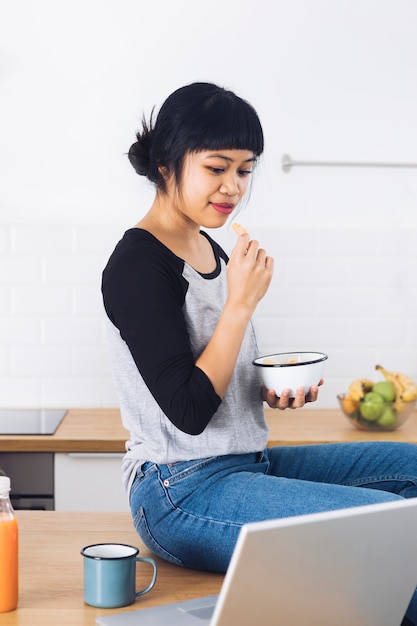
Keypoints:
(190, 513)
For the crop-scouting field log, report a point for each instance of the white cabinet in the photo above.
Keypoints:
(89, 482)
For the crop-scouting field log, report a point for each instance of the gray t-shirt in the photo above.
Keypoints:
(162, 313)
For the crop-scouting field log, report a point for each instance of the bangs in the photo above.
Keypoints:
(226, 124)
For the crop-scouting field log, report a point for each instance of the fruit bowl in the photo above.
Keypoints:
(380, 417)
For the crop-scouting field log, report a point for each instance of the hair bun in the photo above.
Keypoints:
(139, 157)
(139, 152)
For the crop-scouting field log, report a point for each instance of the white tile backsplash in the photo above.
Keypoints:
(72, 391)
(42, 300)
(90, 361)
(17, 269)
(72, 330)
(5, 299)
(75, 269)
(4, 362)
(87, 301)
(40, 361)
(5, 242)
(42, 239)
(21, 331)
(21, 391)
(351, 293)
(338, 302)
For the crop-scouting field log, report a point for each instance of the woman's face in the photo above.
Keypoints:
(212, 184)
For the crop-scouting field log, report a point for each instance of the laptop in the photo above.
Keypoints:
(351, 567)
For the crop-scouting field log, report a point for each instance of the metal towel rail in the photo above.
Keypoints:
(288, 163)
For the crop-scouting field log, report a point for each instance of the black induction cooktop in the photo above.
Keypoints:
(30, 421)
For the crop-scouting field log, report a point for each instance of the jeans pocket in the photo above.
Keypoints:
(149, 540)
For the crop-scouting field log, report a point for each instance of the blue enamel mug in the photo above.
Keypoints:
(110, 575)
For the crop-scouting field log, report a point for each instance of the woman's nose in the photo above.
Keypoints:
(230, 186)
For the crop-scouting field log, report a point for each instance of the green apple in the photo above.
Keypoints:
(385, 389)
(388, 418)
(372, 406)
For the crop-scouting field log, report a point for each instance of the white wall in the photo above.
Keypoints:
(331, 79)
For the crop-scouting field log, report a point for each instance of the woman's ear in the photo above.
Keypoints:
(164, 172)
(168, 179)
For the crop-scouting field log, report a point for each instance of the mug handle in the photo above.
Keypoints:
(151, 584)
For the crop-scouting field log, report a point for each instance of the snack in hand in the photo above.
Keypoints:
(239, 229)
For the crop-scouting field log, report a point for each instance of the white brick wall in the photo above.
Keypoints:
(53, 351)
(350, 293)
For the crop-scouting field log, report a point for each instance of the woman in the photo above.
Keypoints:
(182, 343)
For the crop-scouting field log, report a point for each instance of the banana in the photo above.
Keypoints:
(359, 387)
(399, 405)
(410, 393)
(409, 388)
(405, 388)
(392, 378)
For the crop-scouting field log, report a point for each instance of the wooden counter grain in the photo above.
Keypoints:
(310, 426)
(82, 430)
(51, 569)
(101, 430)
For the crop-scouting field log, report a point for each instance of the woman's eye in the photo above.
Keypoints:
(221, 170)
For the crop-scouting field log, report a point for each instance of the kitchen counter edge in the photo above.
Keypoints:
(81, 430)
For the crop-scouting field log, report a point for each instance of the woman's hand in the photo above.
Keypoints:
(285, 402)
(249, 273)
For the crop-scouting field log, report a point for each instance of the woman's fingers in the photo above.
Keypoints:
(285, 401)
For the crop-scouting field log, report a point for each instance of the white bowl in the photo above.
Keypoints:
(290, 370)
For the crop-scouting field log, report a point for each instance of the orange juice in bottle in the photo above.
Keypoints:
(8, 550)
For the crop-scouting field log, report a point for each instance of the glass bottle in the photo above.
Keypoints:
(8, 550)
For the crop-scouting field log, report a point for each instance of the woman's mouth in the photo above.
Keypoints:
(223, 207)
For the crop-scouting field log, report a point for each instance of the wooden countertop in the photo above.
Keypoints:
(81, 430)
(101, 430)
(51, 569)
(309, 426)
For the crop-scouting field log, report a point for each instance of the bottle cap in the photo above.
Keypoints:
(4, 484)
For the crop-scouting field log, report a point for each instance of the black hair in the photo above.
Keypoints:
(197, 117)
